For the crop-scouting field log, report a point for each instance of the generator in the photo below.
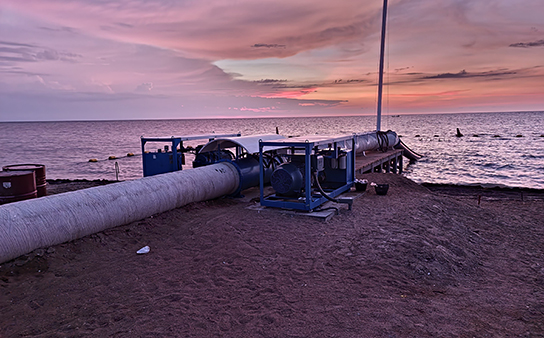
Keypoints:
(315, 169)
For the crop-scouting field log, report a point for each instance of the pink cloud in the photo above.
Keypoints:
(436, 94)
(202, 57)
(259, 110)
(288, 93)
(214, 29)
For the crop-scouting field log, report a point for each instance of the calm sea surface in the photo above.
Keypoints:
(505, 149)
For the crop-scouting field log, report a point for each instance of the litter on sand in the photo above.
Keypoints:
(143, 250)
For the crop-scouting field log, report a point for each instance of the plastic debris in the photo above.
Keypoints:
(143, 250)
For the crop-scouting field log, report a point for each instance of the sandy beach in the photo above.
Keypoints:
(422, 261)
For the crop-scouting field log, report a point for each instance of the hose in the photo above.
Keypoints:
(383, 141)
(322, 191)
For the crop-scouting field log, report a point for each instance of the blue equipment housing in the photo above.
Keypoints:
(317, 169)
(172, 156)
(305, 172)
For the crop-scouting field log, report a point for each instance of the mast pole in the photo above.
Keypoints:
(380, 78)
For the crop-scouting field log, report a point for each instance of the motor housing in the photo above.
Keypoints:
(287, 180)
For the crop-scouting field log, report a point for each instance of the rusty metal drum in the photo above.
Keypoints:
(17, 186)
(39, 172)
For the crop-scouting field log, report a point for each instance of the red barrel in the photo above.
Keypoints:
(17, 186)
(39, 172)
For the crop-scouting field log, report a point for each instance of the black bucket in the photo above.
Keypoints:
(381, 189)
(17, 186)
(360, 185)
(39, 172)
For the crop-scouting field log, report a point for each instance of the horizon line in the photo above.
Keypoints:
(271, 117)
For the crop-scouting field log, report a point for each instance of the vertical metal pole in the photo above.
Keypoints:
(143, 155)
(354, 159)
(380, 78)
(175, 160)
(307, 175)
(261, 172)
(116, 171)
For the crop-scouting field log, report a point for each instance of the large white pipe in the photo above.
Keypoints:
(371, 141)
(32, 224)
(50, 220)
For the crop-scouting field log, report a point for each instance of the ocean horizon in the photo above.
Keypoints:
(372, 115)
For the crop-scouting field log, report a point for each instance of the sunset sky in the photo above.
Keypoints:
(139, 59)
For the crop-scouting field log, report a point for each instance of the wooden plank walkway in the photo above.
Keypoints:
(377, 161)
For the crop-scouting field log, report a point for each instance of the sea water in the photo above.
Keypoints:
(497, 149)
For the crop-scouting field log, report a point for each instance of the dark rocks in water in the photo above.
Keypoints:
(459, 133)
(519, 135)
(496, 135)
(417, 135)
(475, 135)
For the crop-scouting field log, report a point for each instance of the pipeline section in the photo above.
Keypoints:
(408, 153)
(375, 141)
(32, 224)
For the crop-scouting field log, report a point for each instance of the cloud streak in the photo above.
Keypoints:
(267, 45)
(15, 52)
(539, 43)
(466, 75)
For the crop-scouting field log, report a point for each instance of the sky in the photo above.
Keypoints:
(172, 59)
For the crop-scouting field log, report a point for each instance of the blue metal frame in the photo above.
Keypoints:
(309, 145)
(154, 162)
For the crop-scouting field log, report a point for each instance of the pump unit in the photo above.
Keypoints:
(243, 153)
(316, 169)
(171, 156)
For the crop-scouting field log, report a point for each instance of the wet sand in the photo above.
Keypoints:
(432, 261)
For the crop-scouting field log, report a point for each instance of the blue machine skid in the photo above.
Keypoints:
(326, 165)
